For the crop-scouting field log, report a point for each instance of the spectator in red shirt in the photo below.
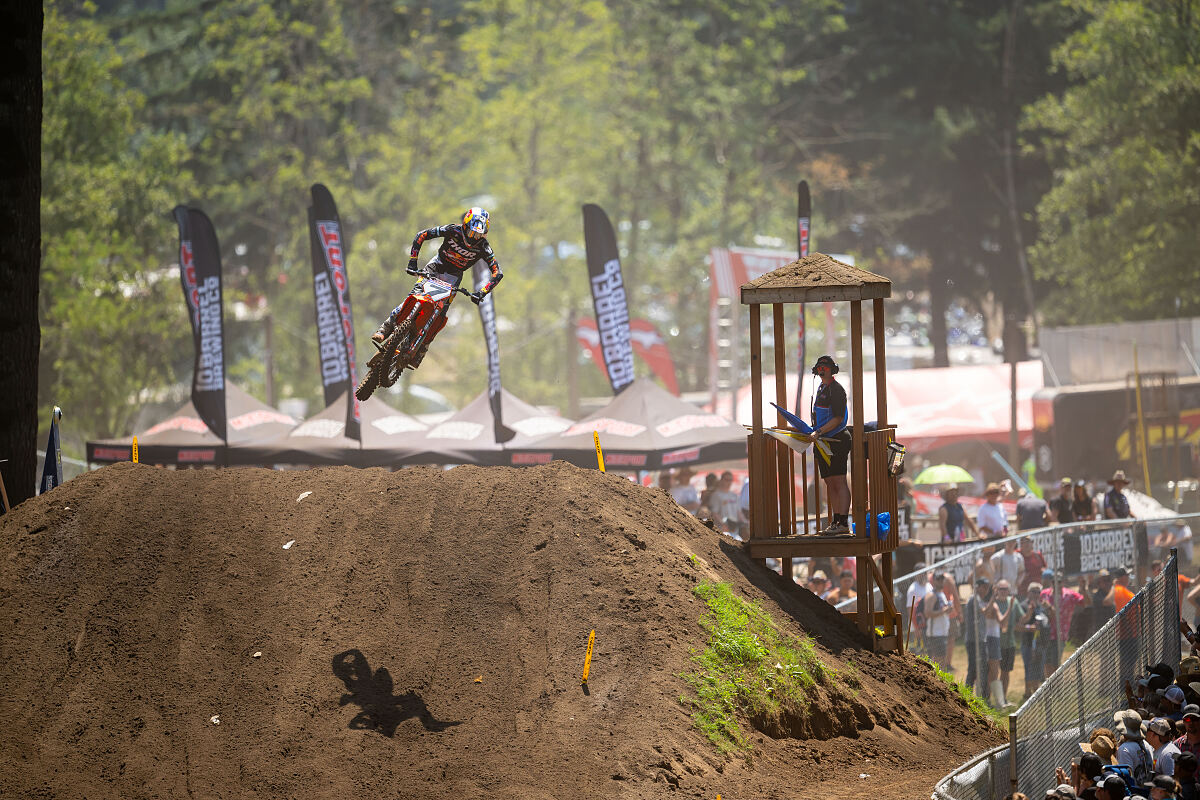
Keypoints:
(1035, 564)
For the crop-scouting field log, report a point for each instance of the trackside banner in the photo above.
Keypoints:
(335, 321)
(608, 296)
(200, 274)
(487, 316)
(52, 474)
(803, 221)
(1080, 550)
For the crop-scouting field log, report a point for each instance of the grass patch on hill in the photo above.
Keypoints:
(748, 667)
(976, 703)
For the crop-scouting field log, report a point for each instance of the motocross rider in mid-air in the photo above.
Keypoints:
(463, 243)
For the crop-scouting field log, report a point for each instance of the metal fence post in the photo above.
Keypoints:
(1012, 752)
(1079, 695)
(1178, 599)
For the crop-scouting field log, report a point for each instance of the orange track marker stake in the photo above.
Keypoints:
(587, 659)
(135, 450)
(599, 452)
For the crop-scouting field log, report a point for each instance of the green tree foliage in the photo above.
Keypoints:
(939, 88)
(688, 122)
(1118, 228)
(113, 324)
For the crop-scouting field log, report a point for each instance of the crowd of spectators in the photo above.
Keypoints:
(1074, 502)
(1010, 609)
(721, 501)
(1150, 749)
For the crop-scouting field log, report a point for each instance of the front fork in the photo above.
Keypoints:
(434, 322)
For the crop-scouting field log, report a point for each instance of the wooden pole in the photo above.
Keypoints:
(757, 492)
(804, 487)
(880, 364)
(912, 612)
(858, 470)
(887, 587)
(787, 524)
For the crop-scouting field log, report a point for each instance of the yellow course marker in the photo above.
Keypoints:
(587, 659)
(599, 453)
(135, 450)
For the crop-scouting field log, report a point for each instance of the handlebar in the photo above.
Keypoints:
(427, 274)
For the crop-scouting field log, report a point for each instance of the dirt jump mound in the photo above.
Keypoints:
(342, 632)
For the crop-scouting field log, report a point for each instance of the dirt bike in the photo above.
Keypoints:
(421, 316)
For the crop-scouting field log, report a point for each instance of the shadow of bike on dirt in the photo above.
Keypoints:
(372, 692)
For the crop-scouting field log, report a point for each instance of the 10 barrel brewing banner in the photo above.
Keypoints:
(335, 321)
(487, 316)
(608, 296)
(200, 275)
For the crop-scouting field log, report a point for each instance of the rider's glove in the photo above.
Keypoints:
(477, 297)
(412, 267)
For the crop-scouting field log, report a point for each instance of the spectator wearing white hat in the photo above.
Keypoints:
(1159, 735)
(1116, 505)
(990, 518)
(1172, 700)
(1132, 750)
(818, 584)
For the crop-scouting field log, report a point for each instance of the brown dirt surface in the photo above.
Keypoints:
(422, 638)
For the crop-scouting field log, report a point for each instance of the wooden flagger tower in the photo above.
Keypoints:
(783, 522)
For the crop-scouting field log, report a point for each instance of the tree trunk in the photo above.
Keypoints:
(20, 243)
(1010, 180)
(938, 299)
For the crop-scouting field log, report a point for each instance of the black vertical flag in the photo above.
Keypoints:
(335, 322)
(608, 296)
(52, 474)
(487, 315)
(200, 274)
(803, 220)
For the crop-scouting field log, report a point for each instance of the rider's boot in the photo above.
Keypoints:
(418, 358)
(385, 330)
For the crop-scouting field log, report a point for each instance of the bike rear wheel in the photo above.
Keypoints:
(388, 370)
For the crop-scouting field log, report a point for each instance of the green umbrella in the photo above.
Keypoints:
(943, 473)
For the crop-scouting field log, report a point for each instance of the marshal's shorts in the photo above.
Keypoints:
(840, 445)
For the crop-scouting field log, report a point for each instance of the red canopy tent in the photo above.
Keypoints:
(321, 439)
(468, 437)
(183, 438)
(645, 427)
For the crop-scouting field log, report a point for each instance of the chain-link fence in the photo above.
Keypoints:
(1080, 557)
(1089, 687)
(984, 777)
(1080, 695)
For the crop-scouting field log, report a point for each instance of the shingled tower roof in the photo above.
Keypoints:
(815, 278)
